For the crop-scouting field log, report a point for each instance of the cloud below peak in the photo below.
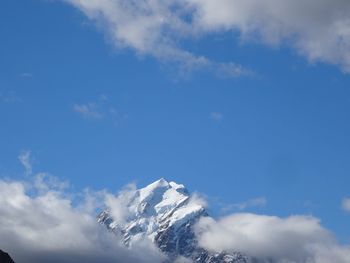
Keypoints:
(296, 239)
(39, 222)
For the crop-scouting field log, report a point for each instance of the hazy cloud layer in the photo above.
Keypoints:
(296, 239)
(317, 29)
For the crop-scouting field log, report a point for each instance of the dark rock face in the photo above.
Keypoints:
(5, 258)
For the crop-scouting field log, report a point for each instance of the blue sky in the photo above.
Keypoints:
(103, 111)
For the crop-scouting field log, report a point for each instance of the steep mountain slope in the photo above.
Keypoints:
(166, 213)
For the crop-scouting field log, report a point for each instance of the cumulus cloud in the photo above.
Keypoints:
(296, 239)
(316, 29)
(346, 204)
(39, 222)
(26, 161)
(153, 28)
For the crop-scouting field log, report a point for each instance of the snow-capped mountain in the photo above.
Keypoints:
(166, 213)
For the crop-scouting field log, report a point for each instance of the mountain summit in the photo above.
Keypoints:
(166, 213)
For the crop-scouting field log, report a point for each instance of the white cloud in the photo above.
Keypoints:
(316, 29)
(296, 239)
(153, 28)
(39, 222)
(25, 160)
(255, 202)
(346, 204)
(117, 204)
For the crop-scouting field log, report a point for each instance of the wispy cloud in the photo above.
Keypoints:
(216, 116)
(255, 202)
(9, 97)
(89, 110)
(26, 75)
(317, 30)
(102, 108)
(346, 204)
(25, 160)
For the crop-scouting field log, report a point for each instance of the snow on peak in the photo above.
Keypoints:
(160, 197)
(159, 204)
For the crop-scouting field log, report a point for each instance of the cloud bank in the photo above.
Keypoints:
(319, 30)
(39, 222)
(296, 239)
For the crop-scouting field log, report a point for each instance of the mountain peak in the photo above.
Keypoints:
(162, 184)
(165, 213)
